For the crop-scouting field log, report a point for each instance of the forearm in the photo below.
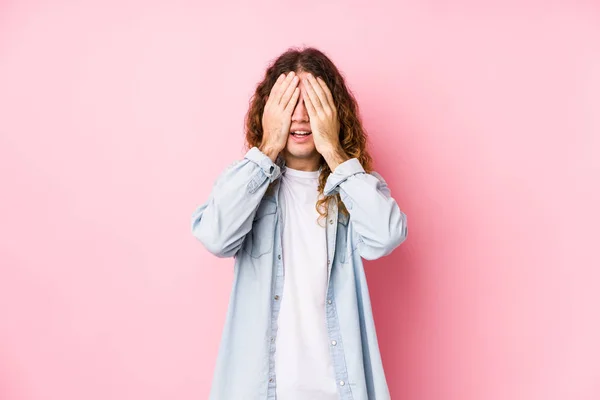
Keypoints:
(224, 219)
(375, 216)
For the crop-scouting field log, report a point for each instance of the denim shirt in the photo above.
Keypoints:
(240, 220)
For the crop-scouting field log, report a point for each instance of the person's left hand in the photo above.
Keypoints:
(322, 111)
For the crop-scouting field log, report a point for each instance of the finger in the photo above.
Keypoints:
(285, 98)
(309, 105)
(274, 89)
(327, 92)
(314, 99)
(284, 86)
(289, 108)
(318, 90)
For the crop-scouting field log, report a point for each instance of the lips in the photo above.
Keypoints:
(297, 138)
(300, 133)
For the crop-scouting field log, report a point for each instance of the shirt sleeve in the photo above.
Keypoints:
(223, 220)
(375, 216)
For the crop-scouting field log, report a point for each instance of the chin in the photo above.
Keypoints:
(304, 151)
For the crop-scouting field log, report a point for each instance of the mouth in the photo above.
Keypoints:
(300, 134)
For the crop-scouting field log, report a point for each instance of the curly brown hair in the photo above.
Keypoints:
(353, 137)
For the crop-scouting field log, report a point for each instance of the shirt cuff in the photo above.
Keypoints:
(341, 173)
(271, 170)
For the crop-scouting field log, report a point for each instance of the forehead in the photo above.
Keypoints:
(302, 74)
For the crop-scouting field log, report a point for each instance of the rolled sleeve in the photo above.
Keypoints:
(342, 172)
(271, 169)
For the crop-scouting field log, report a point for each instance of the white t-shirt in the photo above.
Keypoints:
(303, 365)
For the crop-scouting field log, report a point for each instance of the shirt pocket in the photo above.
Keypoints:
(259, 240)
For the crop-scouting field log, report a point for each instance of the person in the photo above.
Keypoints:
(299, 323)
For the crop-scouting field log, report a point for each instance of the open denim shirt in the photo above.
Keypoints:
(240, 220)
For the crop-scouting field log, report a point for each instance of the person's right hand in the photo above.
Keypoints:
(277, 116)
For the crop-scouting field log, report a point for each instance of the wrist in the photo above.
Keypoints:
(269, 151)
(335, 156)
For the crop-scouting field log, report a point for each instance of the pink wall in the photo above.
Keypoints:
(115, 118)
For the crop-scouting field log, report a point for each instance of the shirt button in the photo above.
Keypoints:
(330, 221)
(279, 256)
(271, 380)
(276, 297)
(272, 340)
(329, 301)
(328, 262)
(333, 342)
(342, 383)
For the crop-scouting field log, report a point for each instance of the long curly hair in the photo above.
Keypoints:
(353, 137)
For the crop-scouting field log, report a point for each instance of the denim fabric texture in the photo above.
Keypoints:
(240, 220)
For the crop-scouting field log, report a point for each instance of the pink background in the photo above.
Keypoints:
(116, 117)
